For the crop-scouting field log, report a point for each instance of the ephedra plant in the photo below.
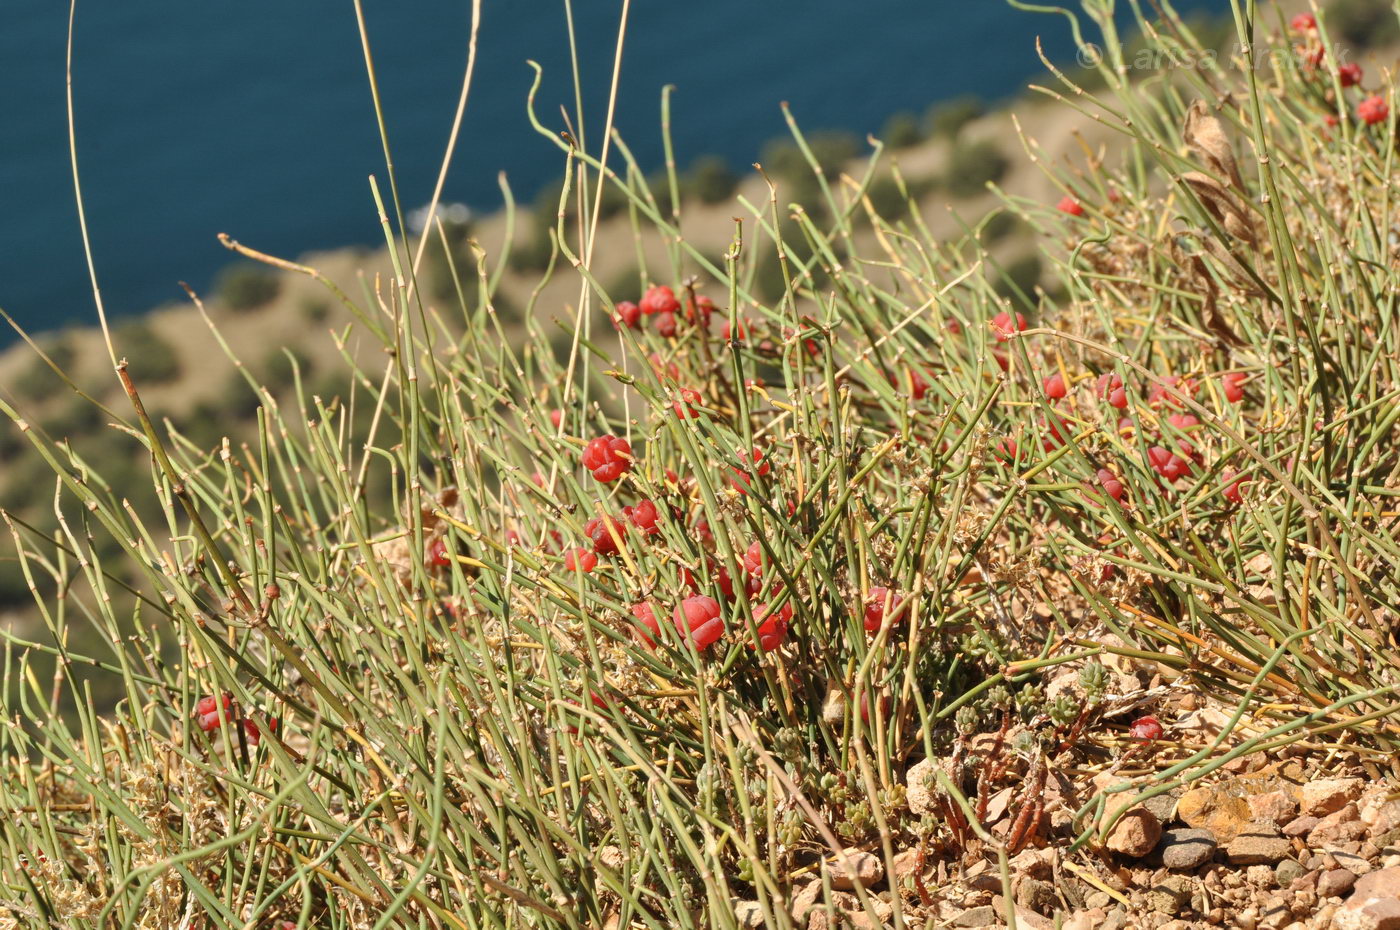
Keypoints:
(659, 618)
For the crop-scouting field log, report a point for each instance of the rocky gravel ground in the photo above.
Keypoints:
(1268, 846)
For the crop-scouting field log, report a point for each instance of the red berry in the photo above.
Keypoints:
(644, 516)
(1148, 729)
(699, 616)
(1184, 422)
(647, 629)
(1303, 22)
(666, 324)
(1112, 486)
(753, 559)
(1055, 386)
(772, 627)
(738, 333)
(1006, 451)
(1234, 488)
(1349, 74)
(1057, 432)
(1167, 464)
(604, 532)
(722, 579)
(880, 601)
(1068, 204)
(207, 711)
(1110, 388)
(659, 299)
(580, 560)
(556, 417)
(1002, 359)
(1002, 326)
(810, 344)
(1373, 110)
(254, 734)
(912, 380)
(699, 310)
(882, 705)
(607, 457)
(438, 556)
(663, 370)
(685, 407)
(741, 477)
(628, 314)
(1160, 392)
(704, 533)
(1234, 393)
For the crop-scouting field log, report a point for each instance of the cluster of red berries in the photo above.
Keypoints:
(608, 458)
(209, 711)
(1373, 110)
(660, 302)
(1170, 460)
(697, 618)
(604, 533)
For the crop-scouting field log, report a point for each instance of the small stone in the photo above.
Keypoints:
(1260, 876)
(1098, 899)
(1300, 826)
(919, 785)
(805, 901)
(852, 865)
(1186, 848)
(1287, 872)
(1344, 859)
(1335, 883)
(1367, 914)
(1322, 797)
(1305, 882)
(1033, 921)
(1273, 807)
(1135, 834)
(1037, 863)
(1276, 914)
(860, 919)
(1037, 896)
(1223, 814)
(748, 914)
(1257, 844)
(1384, 883)
(1162, 806)
(1088, 919)
(1341, 825)
(905, 863)
(984, 916)
(1170, 896)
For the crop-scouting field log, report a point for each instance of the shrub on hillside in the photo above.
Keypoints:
(1364, 23)
(151, 357)
(246, 286)
(948, 117)
(710, 179)
(901, 131)
(972, 166)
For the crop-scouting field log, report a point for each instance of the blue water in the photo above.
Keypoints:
(202, 116)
